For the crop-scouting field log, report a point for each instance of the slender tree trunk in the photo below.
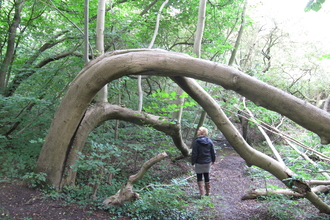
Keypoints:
(244, 122)
(179, 102)
(140, 91)
(102, 95)
(86, 35)
(9, 56)
(200, 28)
(201, 121)
(239, 36)
(117, 121)
(197, 48)
(270, 144)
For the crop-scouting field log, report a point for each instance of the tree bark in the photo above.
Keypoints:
(200, 28)
(102, 95)
(163, 63)
(127, 194)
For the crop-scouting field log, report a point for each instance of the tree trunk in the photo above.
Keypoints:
(198, 47)
(86, 35)
(200, 28)
(102, 95)
(262, 131)
(179, 102)
(10, 45)
(140, 91)
(238, 39)
(326, 104)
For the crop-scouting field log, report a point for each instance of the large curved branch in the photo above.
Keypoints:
(104, 111)
(166, 63)
(114, 65)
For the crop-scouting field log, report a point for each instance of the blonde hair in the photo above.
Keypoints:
(203, 131)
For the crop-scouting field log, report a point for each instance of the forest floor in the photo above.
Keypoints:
(229, 184)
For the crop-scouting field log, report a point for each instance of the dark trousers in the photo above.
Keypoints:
(206, 177)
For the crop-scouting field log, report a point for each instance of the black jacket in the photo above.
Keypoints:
(203, 151)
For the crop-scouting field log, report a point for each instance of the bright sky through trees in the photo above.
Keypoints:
(291, 14)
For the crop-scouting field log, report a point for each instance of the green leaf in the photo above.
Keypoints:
(316, 6)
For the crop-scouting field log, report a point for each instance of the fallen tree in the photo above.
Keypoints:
(253, 194)
(126, 193)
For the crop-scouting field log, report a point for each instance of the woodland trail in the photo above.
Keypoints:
(229, 184)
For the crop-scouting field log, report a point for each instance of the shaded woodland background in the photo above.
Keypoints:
(42, 52)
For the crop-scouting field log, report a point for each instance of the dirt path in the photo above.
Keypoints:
(229, 184)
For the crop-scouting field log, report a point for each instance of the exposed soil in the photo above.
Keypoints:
(229, 184)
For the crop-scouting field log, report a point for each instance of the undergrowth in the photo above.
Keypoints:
(171, 201)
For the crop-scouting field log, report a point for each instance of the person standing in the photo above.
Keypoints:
(203, 156)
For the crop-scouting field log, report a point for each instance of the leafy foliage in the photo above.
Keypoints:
(35, 180)
(164, 203)
(314, 5)
(163, 104)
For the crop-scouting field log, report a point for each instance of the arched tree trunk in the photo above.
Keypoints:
(104, 111)
(163, 63)
(114, 65)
